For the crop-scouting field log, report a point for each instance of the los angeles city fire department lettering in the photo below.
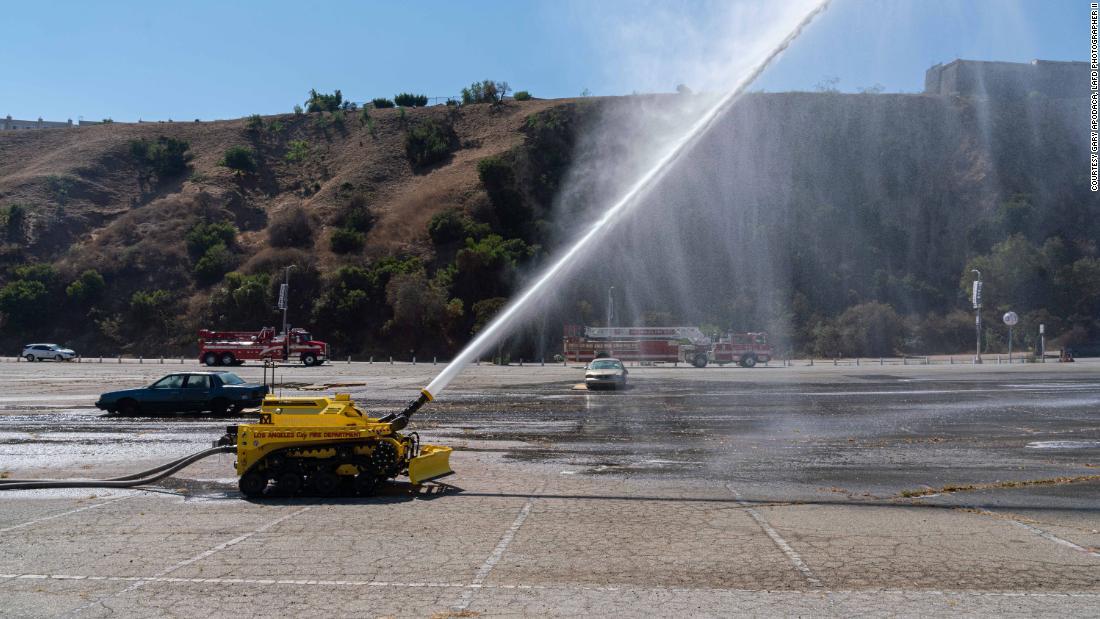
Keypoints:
(329, 434)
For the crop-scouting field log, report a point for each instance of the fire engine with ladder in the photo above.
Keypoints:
(235, 347)
(665, 344)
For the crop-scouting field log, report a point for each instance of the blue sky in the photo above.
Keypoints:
(184, 60)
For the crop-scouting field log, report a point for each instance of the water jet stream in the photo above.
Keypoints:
(558, 270)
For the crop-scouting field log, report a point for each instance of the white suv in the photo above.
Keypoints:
(38, 352)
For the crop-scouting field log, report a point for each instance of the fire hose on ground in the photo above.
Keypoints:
(126, 481)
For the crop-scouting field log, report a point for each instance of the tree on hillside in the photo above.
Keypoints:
(164, 157)
(240, 159)
(322, 102)
(410, 100)
(485, 91)
(292, 228)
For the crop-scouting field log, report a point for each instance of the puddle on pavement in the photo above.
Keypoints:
(1063, 445)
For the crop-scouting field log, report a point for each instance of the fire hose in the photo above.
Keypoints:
(126, 481)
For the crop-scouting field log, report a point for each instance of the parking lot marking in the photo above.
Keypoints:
(494, 558)
(199, 557)
(781, 543)
(72, 511)
(1054, 538)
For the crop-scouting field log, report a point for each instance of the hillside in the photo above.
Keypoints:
(87, 204)
(842, 224)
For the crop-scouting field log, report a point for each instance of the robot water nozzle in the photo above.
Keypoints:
(399, 420)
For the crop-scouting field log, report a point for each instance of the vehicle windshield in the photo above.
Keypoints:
(606, 364)
(230, 378)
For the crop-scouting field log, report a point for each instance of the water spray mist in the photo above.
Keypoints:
(561, 267)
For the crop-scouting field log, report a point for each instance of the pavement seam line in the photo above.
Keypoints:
(202, 555)
(602, 588)
(778, 540)
(72, 511)
(498, 552)
(1047, 535)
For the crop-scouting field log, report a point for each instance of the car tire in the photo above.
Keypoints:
(309, 359)
(29, 358)
(700, 361)
(237, 408)
(210, 359)
(58, 358)
(129, 408)
(748, 361)
(219, 406)
(227, 359)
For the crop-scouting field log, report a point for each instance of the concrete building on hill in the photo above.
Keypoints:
(1008, 80)
(10, 124)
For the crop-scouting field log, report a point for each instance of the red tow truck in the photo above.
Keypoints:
(235, 347)
(667, 344)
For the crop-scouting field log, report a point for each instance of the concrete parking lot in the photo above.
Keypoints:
(897, 490)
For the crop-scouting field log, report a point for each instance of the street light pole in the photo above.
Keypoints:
(284, 302)
(610, 305)
(610, 316)
(977, 298)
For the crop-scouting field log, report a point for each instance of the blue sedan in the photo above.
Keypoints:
(217, 392)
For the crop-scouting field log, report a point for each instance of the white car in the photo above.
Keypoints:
(38, 352)
(605, 372)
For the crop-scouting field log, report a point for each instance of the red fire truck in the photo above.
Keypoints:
(234, 347)
(669, 344)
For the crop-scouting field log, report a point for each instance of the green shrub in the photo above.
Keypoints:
(254, 124)
(453, 225)
(522, 95)
(151, 309)
(381, 103)
(204, 235)
(22, 303)
(165, 157)
(86, 289)
(428, 142)
(297, 151)
(347, 241)
(241, 300)
(291, 229)
(276, 127)
(15, 219)
(297, 110)
(59, 187)
(240, 159)
(214, 264)
(321, 102)
(357, 216)
(338, 119)
(410, 100)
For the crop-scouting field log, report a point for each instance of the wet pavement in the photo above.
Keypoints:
(824, 490)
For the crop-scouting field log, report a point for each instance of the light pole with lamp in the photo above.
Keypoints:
(976, 297)
(610, 317)
(284, 301)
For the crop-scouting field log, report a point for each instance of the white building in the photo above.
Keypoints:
(10, 124)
